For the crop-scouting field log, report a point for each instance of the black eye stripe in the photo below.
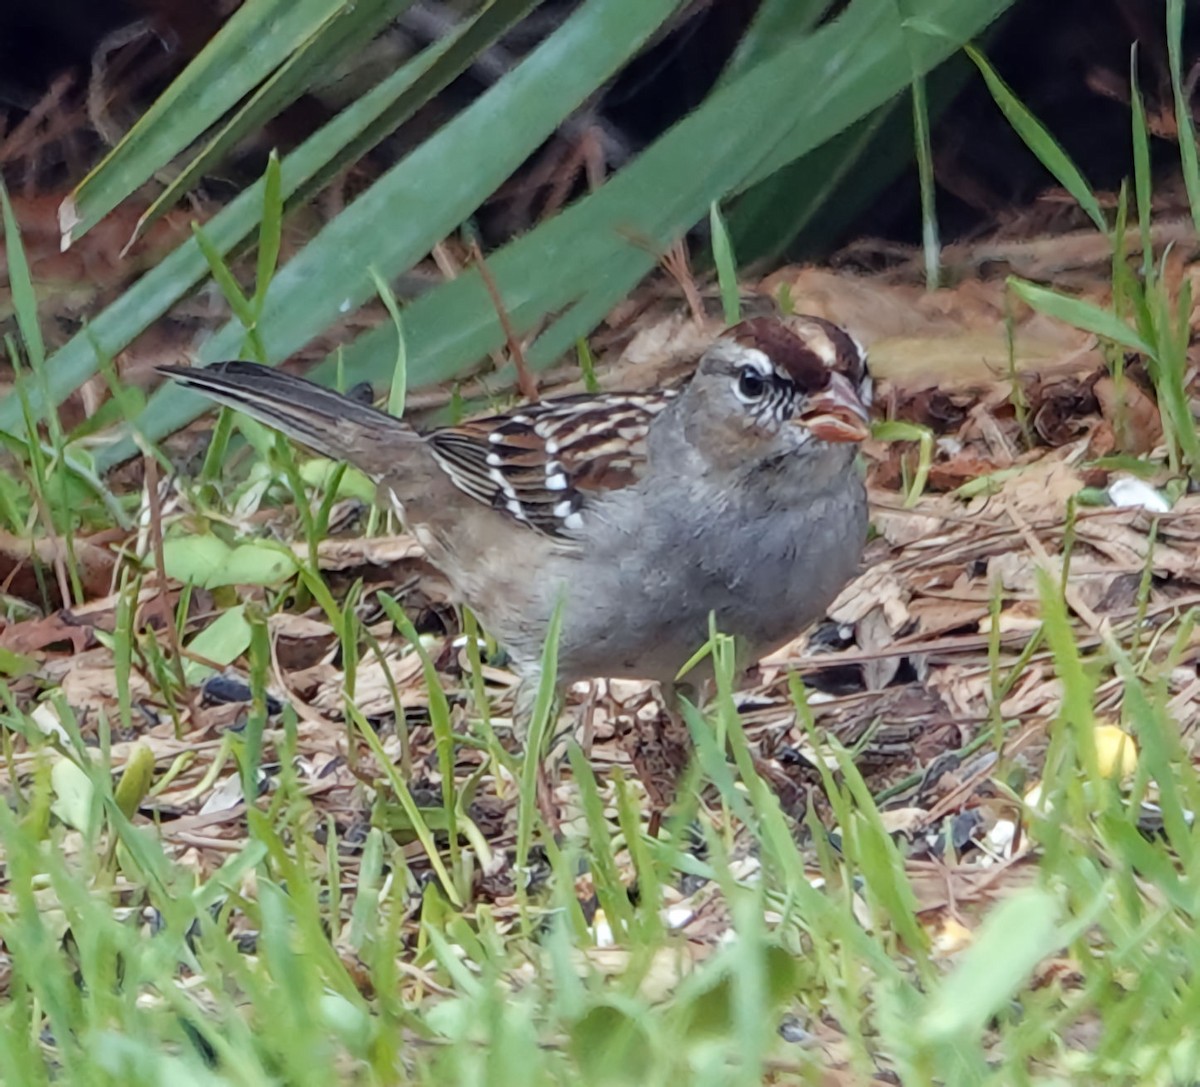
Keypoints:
(778, 403)
(783, 403)
(769, 397)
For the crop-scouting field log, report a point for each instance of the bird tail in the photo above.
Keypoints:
(319, 418)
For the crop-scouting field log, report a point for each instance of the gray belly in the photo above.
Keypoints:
(639, 606)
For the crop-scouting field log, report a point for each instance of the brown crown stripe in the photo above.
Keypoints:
(787, 352)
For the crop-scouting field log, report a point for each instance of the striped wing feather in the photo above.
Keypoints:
(541, 463)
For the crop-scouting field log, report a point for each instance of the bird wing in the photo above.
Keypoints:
(539, 464)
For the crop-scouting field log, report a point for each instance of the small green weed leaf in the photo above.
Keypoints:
(399, 822)
(1188, 157)
(24, 300)
(270, 232)
(129, 403)
(195, 560)
(73, 794)
(610, 888)
(209, 562)
(224, 640)
(398, 388)
(895, 430)
(225, 279)
(587, 365)
(726, 265)
(14, 665)
(260, 563)
(318, 472)
(1142, 177)
(881, 863)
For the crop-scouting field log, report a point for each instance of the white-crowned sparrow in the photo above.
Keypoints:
(737, 495)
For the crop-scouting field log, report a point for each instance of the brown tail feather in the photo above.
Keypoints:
(315, 416)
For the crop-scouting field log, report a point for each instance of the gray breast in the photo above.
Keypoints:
(767, 561)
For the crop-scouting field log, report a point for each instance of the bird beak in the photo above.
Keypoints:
(836, 414)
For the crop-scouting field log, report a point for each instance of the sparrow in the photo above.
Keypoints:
(640, 514)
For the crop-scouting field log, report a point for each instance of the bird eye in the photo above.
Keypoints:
(751, 384)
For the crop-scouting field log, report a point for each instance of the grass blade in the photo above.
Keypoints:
(722, 251)
(1081, 314)
(1038, 139)
(1183, 109)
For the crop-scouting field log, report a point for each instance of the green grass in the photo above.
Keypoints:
(1146, 316)
(130, 964)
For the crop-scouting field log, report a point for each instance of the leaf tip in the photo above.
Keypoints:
(68, 220)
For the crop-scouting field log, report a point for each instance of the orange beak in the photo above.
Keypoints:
(836, 414)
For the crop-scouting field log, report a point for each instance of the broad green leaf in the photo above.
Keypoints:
(599, 247)
(765, 220)
(427, 195)
(804, 208)
(339, 36)
(440, 63)
(358, 126)
(251, 44)
(761, 122)
(581, 263)
(774, 23)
